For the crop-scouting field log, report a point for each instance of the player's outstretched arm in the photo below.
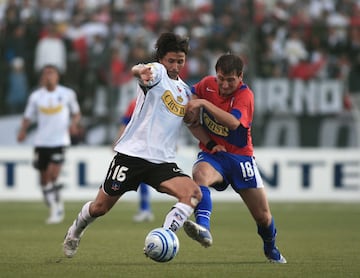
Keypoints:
(23, 130)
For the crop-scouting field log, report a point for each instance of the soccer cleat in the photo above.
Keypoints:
(143, 216)
(56, 215)
(274, 256)
(70, 245)
(54, 219)
(198, 233)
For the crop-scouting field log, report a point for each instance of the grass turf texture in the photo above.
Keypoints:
(318, 240)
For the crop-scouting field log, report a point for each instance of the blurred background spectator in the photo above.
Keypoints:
(17, 92)
(94, 44)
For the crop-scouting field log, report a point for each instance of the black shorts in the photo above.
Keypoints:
(127, 172)
(43, 156)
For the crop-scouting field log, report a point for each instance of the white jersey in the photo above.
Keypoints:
(154, 128)
(52, 111)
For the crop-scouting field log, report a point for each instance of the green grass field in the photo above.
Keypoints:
(318, 240)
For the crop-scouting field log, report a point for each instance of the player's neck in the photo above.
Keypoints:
(50, 88)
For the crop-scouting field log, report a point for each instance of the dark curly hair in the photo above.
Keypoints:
(170, 42)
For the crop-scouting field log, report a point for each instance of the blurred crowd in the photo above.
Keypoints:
(94, 43)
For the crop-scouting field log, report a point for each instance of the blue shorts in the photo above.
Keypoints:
(238, 171)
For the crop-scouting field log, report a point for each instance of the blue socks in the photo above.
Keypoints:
(268, 235)
(204, 208)
(144, 197)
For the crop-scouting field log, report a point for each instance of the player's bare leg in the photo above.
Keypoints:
(89, 212)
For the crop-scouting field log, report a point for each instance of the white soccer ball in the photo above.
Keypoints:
(161, 245)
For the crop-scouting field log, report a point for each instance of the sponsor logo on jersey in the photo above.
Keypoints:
(51, 110)
(173, 105)
(213, 126)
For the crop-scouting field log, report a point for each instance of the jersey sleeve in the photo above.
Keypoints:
(198, 88)
(73, 103)
(158, 70)
(243, 107)
(31, 109)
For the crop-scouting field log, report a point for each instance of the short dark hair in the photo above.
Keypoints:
(228, 63)
(50, 66)
(170, 42)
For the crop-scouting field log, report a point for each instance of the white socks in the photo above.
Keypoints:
(176, 217)
(82, 221)
(174, 220)
(49, 194)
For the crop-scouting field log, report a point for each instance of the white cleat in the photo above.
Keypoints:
(143, 216)
(56, 216)
(274, 256)
(281, 260)
(198, 233)
(70, 245)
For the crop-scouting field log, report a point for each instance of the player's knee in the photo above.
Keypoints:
(263, 219)
(196, 197)
(98, 209)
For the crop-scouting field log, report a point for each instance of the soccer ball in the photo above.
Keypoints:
(161, 245)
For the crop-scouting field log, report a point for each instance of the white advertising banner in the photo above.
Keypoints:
(289, 174)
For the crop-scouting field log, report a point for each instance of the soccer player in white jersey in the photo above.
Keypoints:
(56, 111)
(145, 213)
(146, 150)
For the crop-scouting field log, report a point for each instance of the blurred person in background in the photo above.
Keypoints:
(51, 49)
(220, 115)
(56, 111)
(144, 214)
(17, 86)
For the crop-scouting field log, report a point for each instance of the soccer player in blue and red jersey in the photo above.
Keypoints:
(220, 115)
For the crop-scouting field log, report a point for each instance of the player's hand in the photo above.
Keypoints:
(145, 74)
(218, 148)
(191, 118)
(192, 112)
(194, 105)
(74, 129)
(21, 136)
